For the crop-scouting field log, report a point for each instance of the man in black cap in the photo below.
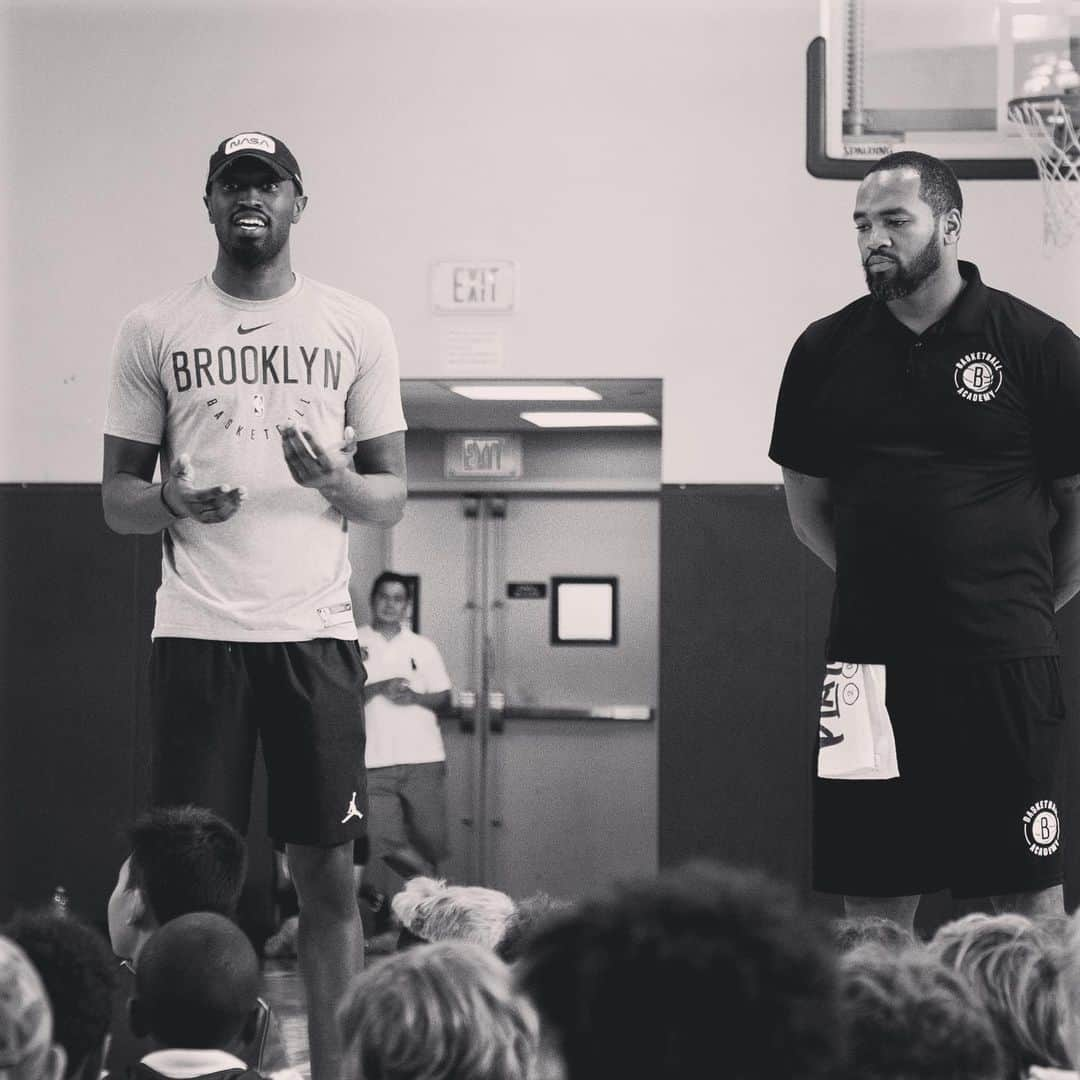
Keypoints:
(273, 404)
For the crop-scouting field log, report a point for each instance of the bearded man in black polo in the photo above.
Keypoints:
(929, 435)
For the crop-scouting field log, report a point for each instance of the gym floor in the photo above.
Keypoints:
(284, 992)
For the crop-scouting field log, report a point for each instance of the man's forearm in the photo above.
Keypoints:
(435, 701)
(810, 510)
(375, 497)
(134, 505)
(819, 537)
(1065, 548)
(374, 689)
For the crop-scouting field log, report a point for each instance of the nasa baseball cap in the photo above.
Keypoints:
(259, 145)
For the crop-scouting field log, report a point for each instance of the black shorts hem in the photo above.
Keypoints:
(875, 891)
(964, 892)
(956, 891)
(361, 847)
(324, 841)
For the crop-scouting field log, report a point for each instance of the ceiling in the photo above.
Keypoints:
(431, 405)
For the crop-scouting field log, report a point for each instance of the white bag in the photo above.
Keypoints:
(855, 735)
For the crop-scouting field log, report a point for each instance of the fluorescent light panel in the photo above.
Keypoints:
(526, 392)
(589, 419)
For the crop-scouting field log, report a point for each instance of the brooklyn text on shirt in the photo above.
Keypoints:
(263, 365)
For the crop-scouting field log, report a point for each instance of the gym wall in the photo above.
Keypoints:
(643, 163)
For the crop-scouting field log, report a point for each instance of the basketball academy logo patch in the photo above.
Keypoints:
(1042, 829)
(978, 376)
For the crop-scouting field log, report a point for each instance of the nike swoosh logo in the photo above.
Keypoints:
(241, 329)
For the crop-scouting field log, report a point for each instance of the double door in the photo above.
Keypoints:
(551, 748)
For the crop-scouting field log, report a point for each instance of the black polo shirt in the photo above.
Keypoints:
(939, 447)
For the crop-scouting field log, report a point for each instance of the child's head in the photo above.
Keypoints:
(529, 914)
(1012, 964)
(651, 977)
(430, 910)
(964, 941)
(851, 931)
(439, 1011)
(79, 976)
(197, 983)
(183, 859)
(27, 1050)
(907, 1014)
(1069, 988)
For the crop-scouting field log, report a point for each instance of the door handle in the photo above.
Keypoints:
(496, 711)
(641, 713)
(465, 707)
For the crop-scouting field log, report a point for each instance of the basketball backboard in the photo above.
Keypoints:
(935, 76)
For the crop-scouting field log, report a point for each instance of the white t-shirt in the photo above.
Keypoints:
(203, 373)
(402, 734)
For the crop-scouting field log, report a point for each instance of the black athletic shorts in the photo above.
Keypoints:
(210, 700)
(361, 849)
(975, 809)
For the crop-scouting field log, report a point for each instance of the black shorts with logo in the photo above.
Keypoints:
(975, 808)
(211, 700)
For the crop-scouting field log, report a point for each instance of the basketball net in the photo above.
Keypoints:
(1050, 127)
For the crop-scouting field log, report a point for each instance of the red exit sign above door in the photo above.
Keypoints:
(474, 285)
(483, 455)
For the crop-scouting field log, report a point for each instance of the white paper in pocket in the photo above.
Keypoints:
(855, 735)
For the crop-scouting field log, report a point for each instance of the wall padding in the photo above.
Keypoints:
(74, 731)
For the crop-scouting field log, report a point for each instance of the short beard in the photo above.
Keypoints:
(251, 255)
(906, 279)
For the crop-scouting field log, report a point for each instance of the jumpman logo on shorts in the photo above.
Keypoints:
(352, 812)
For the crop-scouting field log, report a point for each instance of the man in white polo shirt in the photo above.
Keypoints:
(405, 757)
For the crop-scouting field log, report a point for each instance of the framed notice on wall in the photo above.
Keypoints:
(584, 611)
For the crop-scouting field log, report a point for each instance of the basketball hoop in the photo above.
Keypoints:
(1051, 126)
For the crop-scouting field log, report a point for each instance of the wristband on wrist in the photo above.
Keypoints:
(168, 509)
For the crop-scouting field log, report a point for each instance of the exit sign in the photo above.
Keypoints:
(468, 286)
(483, 456)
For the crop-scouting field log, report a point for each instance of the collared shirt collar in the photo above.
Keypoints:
(969, 309)
(406, 631)
(185, 1064)
(964, 317)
